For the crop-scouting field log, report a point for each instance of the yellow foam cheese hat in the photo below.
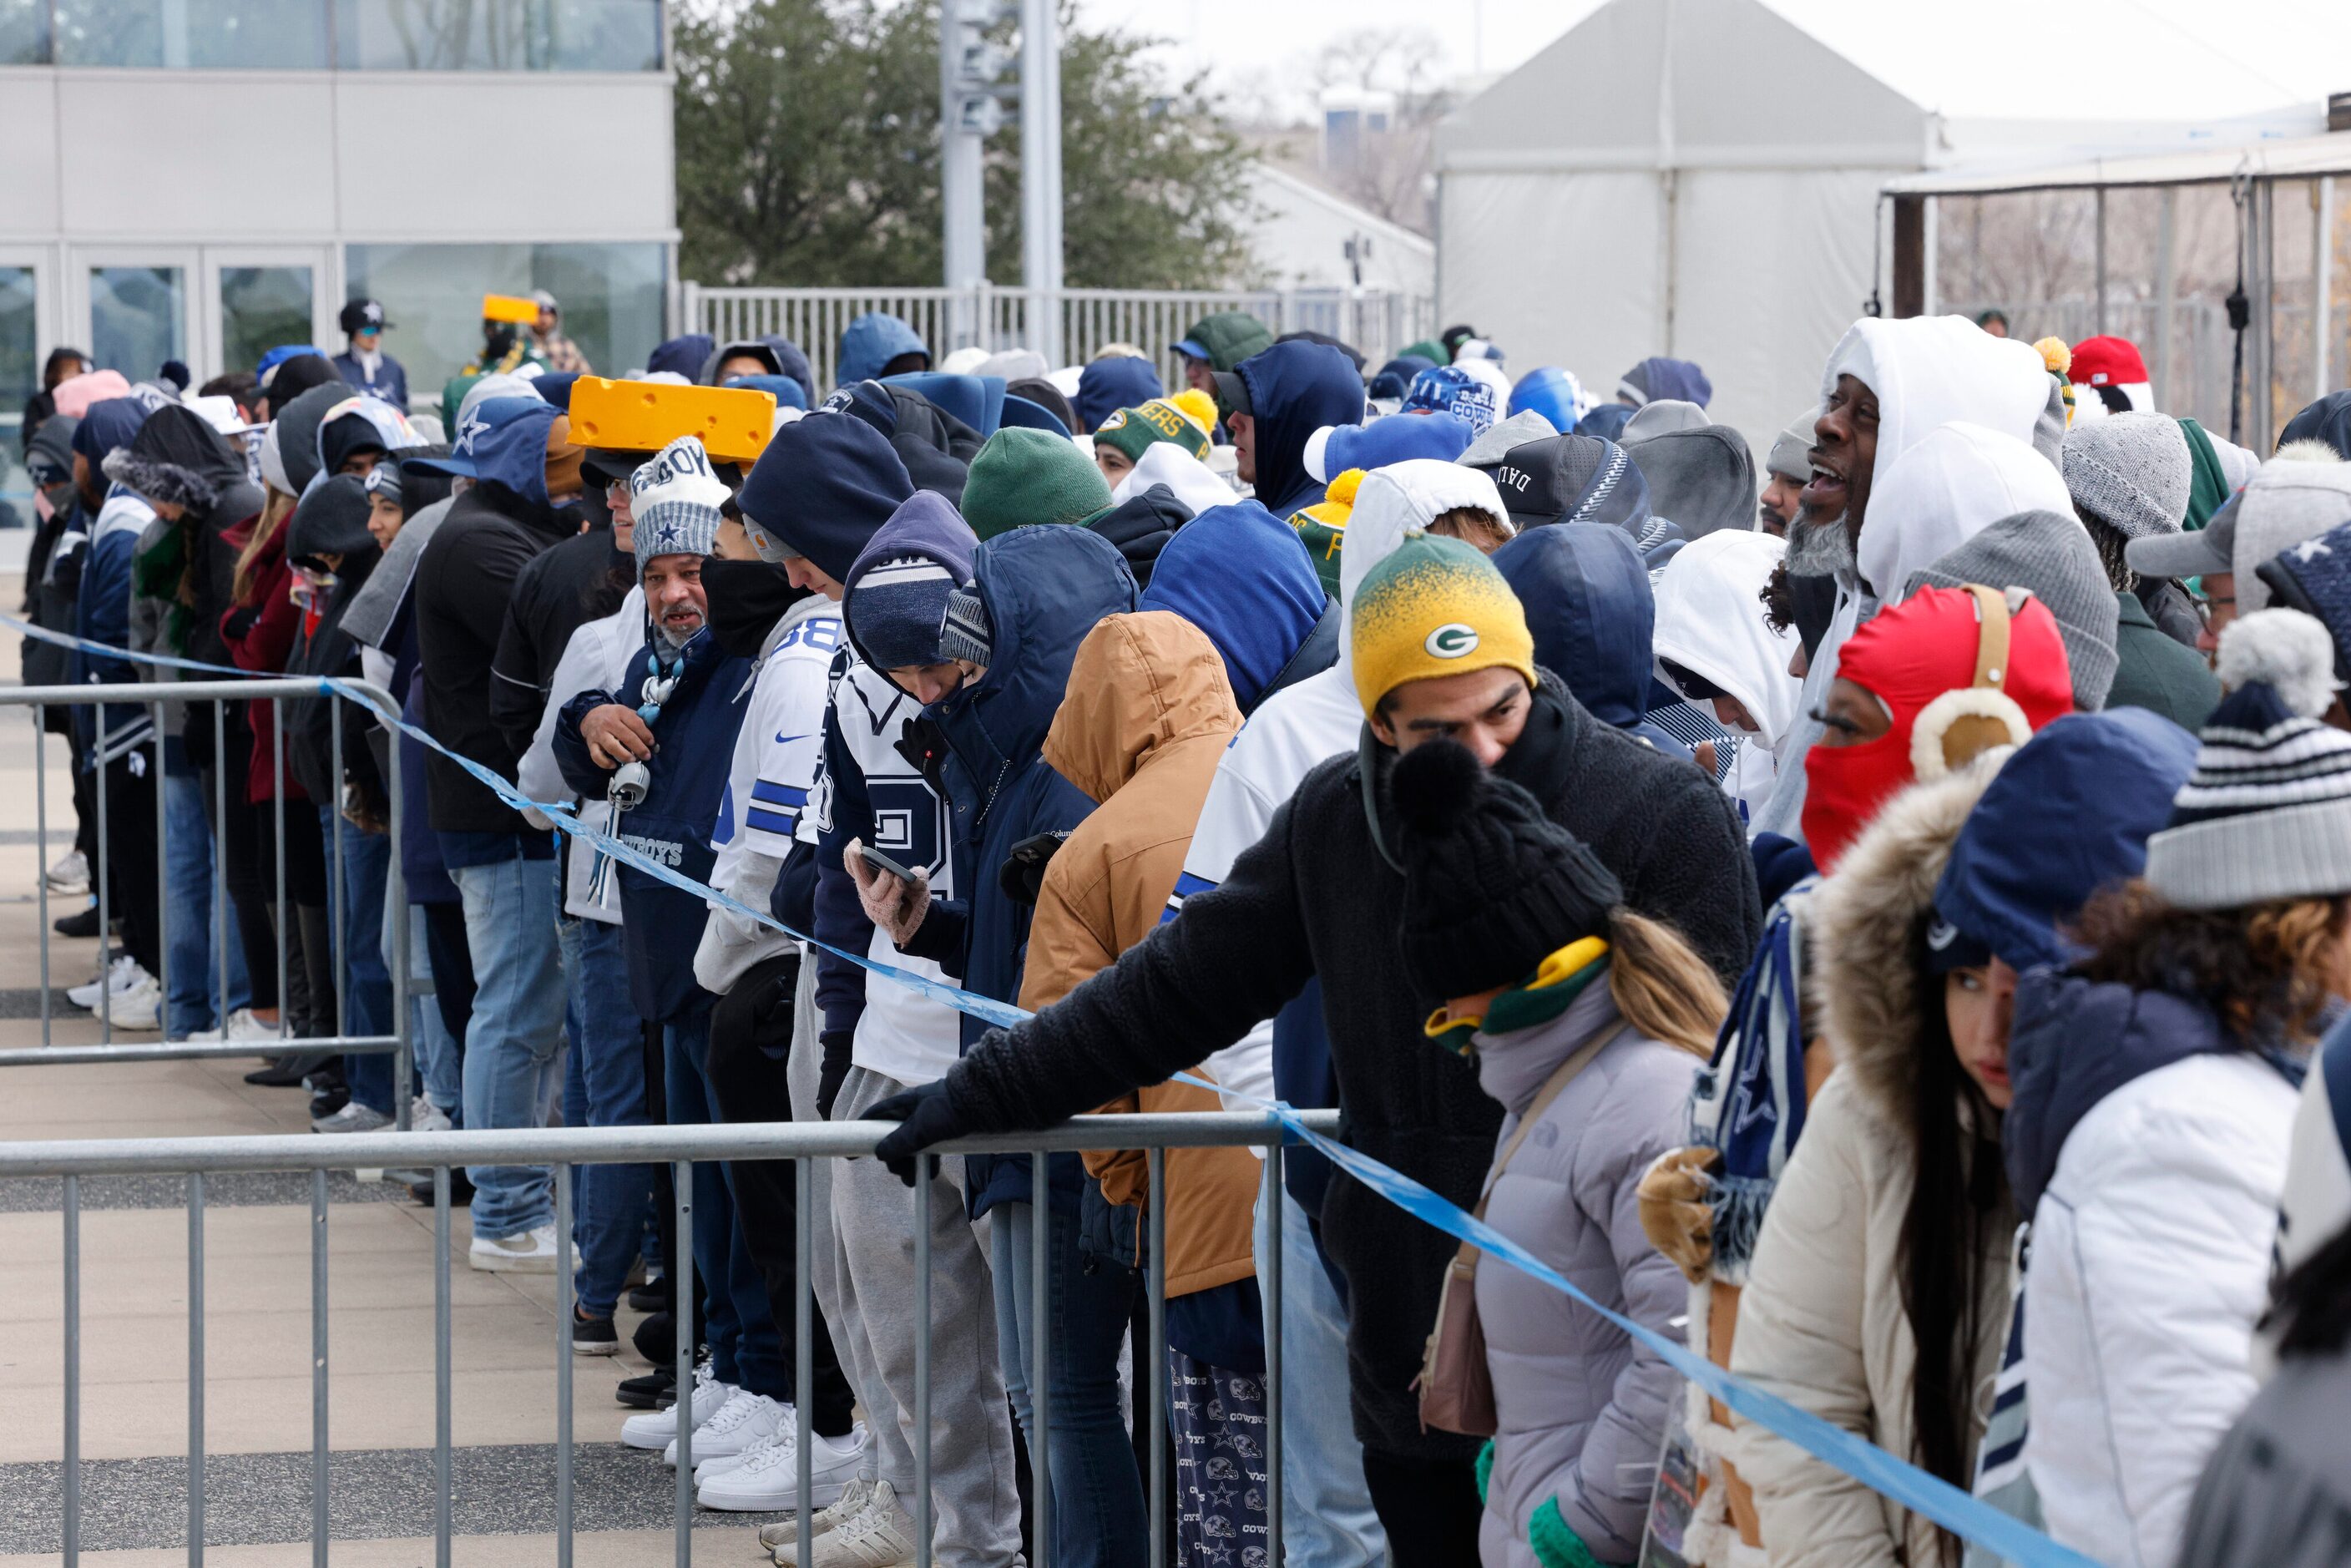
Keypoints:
(732, 422)
(509, 308)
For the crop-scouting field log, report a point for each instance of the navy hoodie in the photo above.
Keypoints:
(1114, 383)
(1044, 588)
(1295, 388)
(1242, 576)
(1588, 604)
(694, 736)
(821, 487)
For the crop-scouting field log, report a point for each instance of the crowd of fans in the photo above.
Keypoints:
(1880, 916)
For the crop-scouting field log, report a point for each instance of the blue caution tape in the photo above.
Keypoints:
(1929, 1496)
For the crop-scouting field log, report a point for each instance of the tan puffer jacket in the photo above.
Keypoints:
(1147, 714)
(1821, 1322)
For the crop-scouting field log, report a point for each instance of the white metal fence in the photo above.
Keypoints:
(1075, 323)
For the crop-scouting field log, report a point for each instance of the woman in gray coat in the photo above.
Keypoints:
(1588, 1023)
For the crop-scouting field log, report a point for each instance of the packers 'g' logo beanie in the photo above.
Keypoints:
(1435, 607)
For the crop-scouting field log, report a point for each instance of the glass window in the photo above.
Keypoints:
(498, 34)
(138, 318)
(262, 307)
(23, 32)
(611, 296)
(281, 35)
(20, 378)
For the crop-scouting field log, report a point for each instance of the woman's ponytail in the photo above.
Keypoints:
(1661, 987)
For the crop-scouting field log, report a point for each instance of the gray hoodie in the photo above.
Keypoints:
(1581, 1408)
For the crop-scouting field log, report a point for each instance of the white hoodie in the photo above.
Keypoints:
(1926, 372)
(1302, 726)
(1711, 622)
(1953, 484)
(1164, 463)
(595, 659)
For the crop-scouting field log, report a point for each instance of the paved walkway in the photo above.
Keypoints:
(506, 1353)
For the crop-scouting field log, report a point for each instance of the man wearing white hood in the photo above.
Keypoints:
(1888, 385)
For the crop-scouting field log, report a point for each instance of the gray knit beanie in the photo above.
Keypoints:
(2132, 470)
(1792, 452)
(2050, 554)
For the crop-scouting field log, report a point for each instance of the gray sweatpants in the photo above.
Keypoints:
(864, 1279)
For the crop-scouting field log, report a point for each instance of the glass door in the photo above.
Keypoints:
(24, 296)
(135, 309)
(260, 299)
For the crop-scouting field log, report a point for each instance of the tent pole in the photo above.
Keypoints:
(2321, 284)
(2102, 260)
(2167, 287)
(2264, 301)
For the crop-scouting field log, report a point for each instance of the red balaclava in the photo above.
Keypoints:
(1962, 670)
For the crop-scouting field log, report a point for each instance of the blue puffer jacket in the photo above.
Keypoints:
(1594, 619)
(1044, 588)
(696, 729)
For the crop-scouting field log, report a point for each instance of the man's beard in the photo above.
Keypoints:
(677, 638)
(1819, 547)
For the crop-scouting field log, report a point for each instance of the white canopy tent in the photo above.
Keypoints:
(1703, 178)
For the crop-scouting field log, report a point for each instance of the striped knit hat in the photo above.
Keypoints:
(2267, 813)
(898, 606)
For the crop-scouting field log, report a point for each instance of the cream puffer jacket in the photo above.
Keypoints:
(1821, 1322)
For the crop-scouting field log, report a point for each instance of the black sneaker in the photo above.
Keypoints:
(652, 1296)
(653, 1391)
(283, 1072)
(461, 1190)
(83, 923)
(594, 1336)
(324, 1100)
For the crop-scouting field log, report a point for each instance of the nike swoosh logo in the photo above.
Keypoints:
(783, 739)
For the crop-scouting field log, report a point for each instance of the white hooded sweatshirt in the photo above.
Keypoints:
(1164, 463)
(1926, 371)
(1298, 727)
(1711, 622)
(1957, 481)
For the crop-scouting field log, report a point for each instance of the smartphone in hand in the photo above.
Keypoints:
(876, 861)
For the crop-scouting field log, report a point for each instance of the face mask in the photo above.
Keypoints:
(1846, 785)
(746, 598)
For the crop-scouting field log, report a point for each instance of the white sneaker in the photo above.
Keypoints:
(782, 1539)
(141, 1008)
(743, 1421)
(424, 1116)
(525, 1252)
(878, 1535)
(70, 873)
(659, 1429)
(243, 1028)
(353, 1117)
(768, 1477)
(123, 976)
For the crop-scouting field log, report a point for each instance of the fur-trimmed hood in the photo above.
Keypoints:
(1865, 923)
(176, 457)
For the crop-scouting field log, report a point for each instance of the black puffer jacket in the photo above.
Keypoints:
(1317, 897)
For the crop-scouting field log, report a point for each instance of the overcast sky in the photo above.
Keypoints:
(1241, 40)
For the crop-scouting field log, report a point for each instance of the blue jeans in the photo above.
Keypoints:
(1098, 1513)
(429, 1039)
(603, 1086)
(1327, 1519)
(516, 1032)
(745, 1346)
(195, 1002)
(367, 978)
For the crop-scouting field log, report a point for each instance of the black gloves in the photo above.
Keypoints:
(925, 1116)
(834, 1067)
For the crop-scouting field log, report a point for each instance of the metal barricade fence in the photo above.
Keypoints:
(125, 743)
(678, 1147)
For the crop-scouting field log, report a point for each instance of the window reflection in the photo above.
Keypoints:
(138, 318)
(368, 35)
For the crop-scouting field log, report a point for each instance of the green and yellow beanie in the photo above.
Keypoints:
(1134, 430)
(1024, 477)
(1323, 527)
(1435, 607)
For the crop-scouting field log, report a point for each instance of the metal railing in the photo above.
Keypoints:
(115, 737)
(678, 1147)
(1075, 324)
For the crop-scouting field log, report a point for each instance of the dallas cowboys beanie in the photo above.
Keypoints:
(897, 609)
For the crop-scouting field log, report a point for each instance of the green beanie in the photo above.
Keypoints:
(1024, 476)
(1134, 431)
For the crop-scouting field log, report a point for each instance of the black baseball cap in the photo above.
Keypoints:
(1232, 393)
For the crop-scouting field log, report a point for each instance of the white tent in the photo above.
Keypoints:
(1701, 178)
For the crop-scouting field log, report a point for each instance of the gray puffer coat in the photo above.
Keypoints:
(1581, 1408)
